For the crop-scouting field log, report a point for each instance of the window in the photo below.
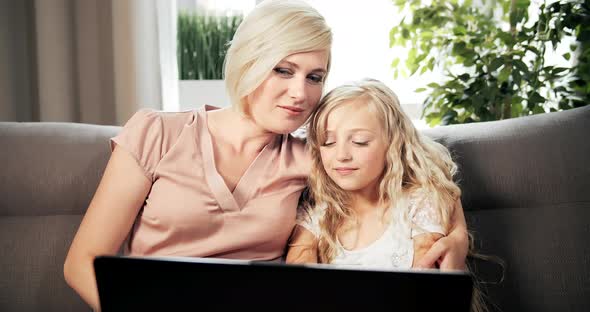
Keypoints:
(243, 6)
(361, 49)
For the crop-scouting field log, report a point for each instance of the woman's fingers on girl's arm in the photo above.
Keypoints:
(428, 260)
(423, 243)
(446, 253)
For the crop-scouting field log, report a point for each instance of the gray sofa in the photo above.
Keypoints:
(526, 192)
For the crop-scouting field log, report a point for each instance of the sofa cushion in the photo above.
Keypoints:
(545, 252)
(525, 184)
(522, 162)
(50, 172)
(33, 253)
(51, 168)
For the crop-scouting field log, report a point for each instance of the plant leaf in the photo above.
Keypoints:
(504, 74)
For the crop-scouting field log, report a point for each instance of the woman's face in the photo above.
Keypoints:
(284, 101)
(353, 154)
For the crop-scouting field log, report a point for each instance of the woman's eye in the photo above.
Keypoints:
(282, 71)
(328, 144)
(316, 78)
(361, 143)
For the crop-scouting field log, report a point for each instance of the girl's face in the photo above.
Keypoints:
(353, 154)
(282, 103)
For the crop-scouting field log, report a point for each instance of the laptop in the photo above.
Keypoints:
(210, 284)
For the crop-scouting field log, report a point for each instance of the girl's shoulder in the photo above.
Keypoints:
(309, 217)
(418, 195)
(423, 212)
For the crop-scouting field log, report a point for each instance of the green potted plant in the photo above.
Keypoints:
(202, 44)
(493, 57)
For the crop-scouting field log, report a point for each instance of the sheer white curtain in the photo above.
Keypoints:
(167, 29)
(145, 56)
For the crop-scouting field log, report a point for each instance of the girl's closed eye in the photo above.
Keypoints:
(360, 140)
(328, 143)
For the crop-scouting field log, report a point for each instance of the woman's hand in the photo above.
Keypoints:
(422, 244)
(449, 252)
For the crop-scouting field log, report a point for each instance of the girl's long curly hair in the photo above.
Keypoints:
(413, 162)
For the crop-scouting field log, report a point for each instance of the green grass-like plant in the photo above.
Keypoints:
(202, 44)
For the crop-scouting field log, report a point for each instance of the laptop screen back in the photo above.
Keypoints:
(199, 284)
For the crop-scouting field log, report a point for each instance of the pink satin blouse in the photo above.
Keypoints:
(190, 211)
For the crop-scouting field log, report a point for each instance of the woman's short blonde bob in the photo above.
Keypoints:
(274, 30)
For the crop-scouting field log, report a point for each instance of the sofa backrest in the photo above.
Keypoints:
(525, 185)
(49, 174)
(526, 193)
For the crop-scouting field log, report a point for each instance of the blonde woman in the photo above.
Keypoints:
(219, 182)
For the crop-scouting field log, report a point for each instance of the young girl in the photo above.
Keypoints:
(383, 193)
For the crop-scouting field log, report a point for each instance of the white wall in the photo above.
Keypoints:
(196, 93)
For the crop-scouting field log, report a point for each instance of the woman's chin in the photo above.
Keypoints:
(286, 128)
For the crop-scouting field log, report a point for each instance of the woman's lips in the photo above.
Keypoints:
(292, 110)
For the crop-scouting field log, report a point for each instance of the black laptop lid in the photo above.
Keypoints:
(204, 284)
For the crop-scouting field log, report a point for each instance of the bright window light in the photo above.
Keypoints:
(361, 48)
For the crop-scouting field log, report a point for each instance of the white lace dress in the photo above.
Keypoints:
(395, 248)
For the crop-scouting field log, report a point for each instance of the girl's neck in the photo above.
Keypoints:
(241, 133)
(366, 202)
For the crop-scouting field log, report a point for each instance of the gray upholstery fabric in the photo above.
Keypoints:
(525, 187)
(522, 162)
(49, 174)
(51, 168)
(33, 253)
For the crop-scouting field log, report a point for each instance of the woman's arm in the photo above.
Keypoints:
(107, 222)
(423, 243)
(303, 247)
(450, 251)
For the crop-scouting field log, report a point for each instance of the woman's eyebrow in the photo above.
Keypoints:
(294, 65)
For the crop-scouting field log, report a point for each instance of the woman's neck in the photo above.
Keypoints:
(241, 133)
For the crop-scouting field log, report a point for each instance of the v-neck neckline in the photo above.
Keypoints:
(246, 185)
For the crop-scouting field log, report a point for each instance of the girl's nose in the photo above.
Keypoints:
(343, 153)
